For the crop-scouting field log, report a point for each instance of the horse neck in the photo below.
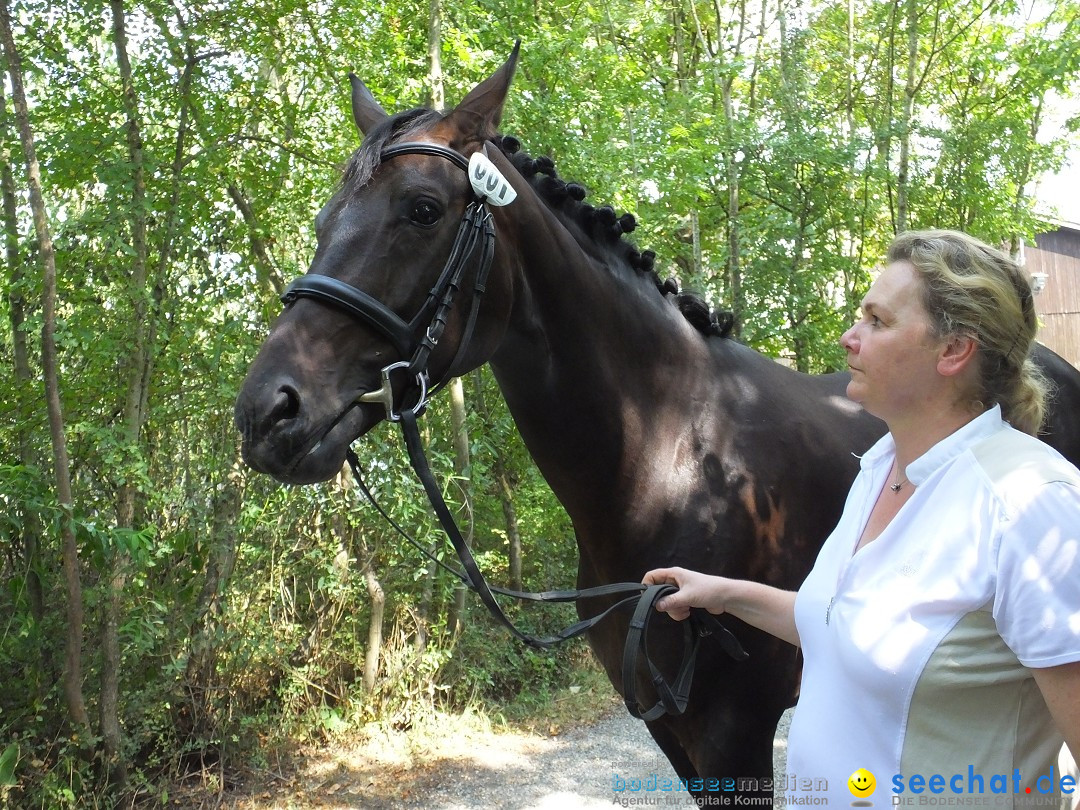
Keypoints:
(585, 363)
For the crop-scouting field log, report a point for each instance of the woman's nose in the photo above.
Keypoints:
(848, 339)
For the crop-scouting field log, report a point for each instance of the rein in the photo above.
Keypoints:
(476, 237)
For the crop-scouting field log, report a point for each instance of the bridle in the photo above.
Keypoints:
(475, 240)
(476, 235)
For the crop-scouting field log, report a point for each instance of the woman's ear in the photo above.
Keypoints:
(957, 355)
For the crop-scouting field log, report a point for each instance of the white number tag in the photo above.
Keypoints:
(488, 182)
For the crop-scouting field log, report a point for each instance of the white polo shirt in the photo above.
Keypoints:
(917, 646)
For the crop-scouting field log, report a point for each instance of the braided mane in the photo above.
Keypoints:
(606, 227)
(603, 225)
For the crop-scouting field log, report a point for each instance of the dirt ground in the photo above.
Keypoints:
(458, 763)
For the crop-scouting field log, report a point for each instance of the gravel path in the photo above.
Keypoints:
(574, 771)
(473, 769)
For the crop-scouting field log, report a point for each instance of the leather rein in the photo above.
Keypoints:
(476, 240)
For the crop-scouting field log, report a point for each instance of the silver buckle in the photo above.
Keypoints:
(384, 395)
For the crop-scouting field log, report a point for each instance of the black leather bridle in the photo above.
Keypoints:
(476, 239)
(476, 235)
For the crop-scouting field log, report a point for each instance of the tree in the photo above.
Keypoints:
(76, 706)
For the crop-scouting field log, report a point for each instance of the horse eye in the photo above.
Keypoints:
(425, 213)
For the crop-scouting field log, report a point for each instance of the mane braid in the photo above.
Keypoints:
(607, 228)
(603, 225)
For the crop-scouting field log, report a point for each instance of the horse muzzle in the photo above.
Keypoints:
(294, 440)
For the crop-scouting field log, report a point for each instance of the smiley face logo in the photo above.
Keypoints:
(862, 783)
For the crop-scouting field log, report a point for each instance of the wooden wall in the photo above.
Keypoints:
(1057, 254)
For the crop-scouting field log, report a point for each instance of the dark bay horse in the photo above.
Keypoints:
(667, 442)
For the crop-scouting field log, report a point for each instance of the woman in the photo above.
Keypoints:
(940, 625)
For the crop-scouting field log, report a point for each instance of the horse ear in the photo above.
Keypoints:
(481, 110)
(365, 109)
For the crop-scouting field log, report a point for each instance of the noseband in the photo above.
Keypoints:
(476, 237)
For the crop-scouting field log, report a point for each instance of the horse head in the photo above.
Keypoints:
(390, 307)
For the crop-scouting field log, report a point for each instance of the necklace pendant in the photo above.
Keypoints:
(896, 487)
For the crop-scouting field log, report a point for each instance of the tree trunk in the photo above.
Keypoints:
(435, 75)
(202, 658)
(424, 610)
(355, 542)
(378, 613)
(725, 68)
(731, 170)
(72, 685)
(456, 619)
(908, 114)
(1025, 175)
(31, 525)
(116, 561)
(455, 614)
(856, 236)
(513, 532)
(269, 278)
(506, 490)
(796, 306)
(165, 248)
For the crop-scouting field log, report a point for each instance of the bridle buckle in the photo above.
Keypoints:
(384, 395)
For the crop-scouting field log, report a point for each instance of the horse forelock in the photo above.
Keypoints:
(366, 159)
(607, 230)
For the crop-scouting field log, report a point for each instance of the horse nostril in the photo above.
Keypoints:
(287, 404)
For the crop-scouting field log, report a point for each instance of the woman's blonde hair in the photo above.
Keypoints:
(973, 289)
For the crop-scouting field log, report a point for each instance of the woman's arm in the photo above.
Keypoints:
(1060, 687)
(762, 606)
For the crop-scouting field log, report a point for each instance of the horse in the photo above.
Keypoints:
(667, 441)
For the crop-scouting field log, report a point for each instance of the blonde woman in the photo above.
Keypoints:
(940, 625)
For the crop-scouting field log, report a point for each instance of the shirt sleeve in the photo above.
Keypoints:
(1037, 592)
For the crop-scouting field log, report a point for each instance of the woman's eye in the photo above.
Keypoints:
(425, 213)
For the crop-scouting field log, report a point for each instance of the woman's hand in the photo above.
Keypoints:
(696, 590)
(762, 606)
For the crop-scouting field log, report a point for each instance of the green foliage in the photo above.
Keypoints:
(489, 669)
(760, 159)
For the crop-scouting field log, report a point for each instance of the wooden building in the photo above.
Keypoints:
(1054, 264)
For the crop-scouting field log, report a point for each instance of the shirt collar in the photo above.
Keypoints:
(884, 450)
